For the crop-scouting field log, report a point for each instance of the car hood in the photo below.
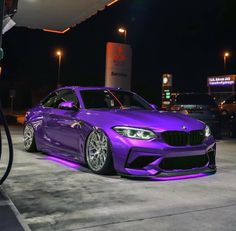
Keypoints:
(155, 120)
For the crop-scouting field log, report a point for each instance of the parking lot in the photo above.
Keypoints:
(54, 195)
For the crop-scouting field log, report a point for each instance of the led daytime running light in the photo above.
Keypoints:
(135, 133)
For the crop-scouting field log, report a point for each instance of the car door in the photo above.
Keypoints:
(63, 126)
(47, 106)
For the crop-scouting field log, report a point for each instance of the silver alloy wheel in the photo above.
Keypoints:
(96, 150)
(28, 136)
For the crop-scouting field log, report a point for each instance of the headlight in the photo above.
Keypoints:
(135, 133)
(207, 131)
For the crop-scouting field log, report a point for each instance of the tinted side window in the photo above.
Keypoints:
(50, 100)
(66, 95)
(98, 99)
(70, 96)
(110, 99)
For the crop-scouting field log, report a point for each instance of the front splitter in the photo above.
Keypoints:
(165, 176)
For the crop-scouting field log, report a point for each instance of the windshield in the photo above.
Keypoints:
(112, 99)
(195, 99)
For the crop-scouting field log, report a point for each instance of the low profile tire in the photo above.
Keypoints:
(29, 138)
(98, 153)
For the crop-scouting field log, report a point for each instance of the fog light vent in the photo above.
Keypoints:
(141, 161)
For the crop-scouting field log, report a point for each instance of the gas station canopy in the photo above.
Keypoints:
(57, 15)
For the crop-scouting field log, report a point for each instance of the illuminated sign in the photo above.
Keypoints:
(167, 80)
(222, 80)
(166, 90)
(118, 65)
(167, 94)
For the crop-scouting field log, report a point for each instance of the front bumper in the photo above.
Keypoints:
(157, 159)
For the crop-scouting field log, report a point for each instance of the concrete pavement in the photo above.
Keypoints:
(10, 218)
(54, 196)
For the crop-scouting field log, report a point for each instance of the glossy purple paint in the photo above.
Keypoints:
(65, 132)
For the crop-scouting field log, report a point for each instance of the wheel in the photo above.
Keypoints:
(98, 153)
(29, 138)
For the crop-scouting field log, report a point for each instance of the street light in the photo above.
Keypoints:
(59, 55)
(123, 31)
(226, 55)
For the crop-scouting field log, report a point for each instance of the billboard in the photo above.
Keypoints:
(118, 65)
(221, 81)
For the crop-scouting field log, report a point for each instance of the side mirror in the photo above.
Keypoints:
(68, 105)
(153, 106)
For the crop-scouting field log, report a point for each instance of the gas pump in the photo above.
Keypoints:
(7, 11)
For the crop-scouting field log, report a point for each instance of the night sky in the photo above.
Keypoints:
(184, 38)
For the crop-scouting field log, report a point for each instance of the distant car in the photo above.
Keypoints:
(228, 106)
(108, 128)
(200, 106)
(233, 124)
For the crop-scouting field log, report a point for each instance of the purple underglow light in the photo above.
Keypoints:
(63, 162)
(170, 178)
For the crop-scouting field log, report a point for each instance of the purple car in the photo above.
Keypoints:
(111, 129)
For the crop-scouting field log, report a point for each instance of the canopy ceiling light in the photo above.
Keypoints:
(57, 15)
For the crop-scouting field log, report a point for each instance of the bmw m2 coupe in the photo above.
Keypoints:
(112, 129)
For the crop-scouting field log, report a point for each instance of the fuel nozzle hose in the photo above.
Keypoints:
(7, 11)
(10, 145)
